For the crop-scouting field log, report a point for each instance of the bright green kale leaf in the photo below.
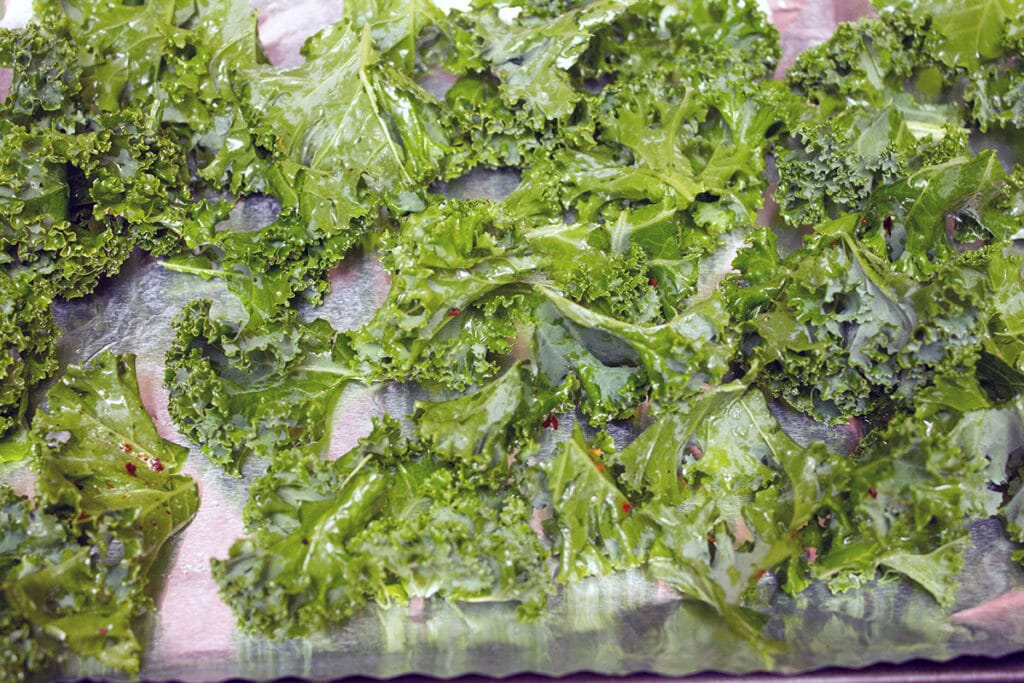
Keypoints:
(595, 380)
(706, 500)
(532, 57)
(595, 529)
(257, 388)
(934, 213)
(464, 277)
(28, 335)
(396, 26)
(386, 521)
(678, 358)
(272, 267)
(347, 113)
(961, 33)
(900, 503)
(74, 570)
(728, 490)
(864, 126)
(701, 37)
(45, 72)
(496, 423)
(837, 332)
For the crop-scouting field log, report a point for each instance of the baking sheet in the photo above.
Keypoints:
(613, 625)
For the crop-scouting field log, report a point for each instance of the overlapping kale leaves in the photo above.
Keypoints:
(642, 132)
(75, 561)
(897, 313)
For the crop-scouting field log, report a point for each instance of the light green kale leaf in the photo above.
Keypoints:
(74, 570)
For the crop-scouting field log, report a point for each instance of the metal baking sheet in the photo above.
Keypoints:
(613, 625)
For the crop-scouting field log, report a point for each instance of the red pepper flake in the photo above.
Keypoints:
(82, 516)
(454, 312)
(103, 631)
(550, 422)
(652, 282)
(126, 447)
(627, 507)
(873, 492)
(811, 553)
(156, 465)
(863, 221)
(759, 573)
(130, 468)
(350, 169)
(599, 466)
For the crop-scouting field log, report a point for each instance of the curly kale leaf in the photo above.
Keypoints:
(74, 570)
(45, 72)
(864, 126)
(706, 500)
(702, 37)
(838, 332)
(960, 33)
(28, 334)
(270, 268)
(396, 27)
(677, 357)
(464, 276)
(937, 212)
(389, 136)
(573, 361)
(386, 521)
(75, 205)
(252, 389)
(501, 418)
(533, 56)
(901, 502)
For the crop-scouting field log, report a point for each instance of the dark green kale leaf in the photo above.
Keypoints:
(74, 569)
(387, 521)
